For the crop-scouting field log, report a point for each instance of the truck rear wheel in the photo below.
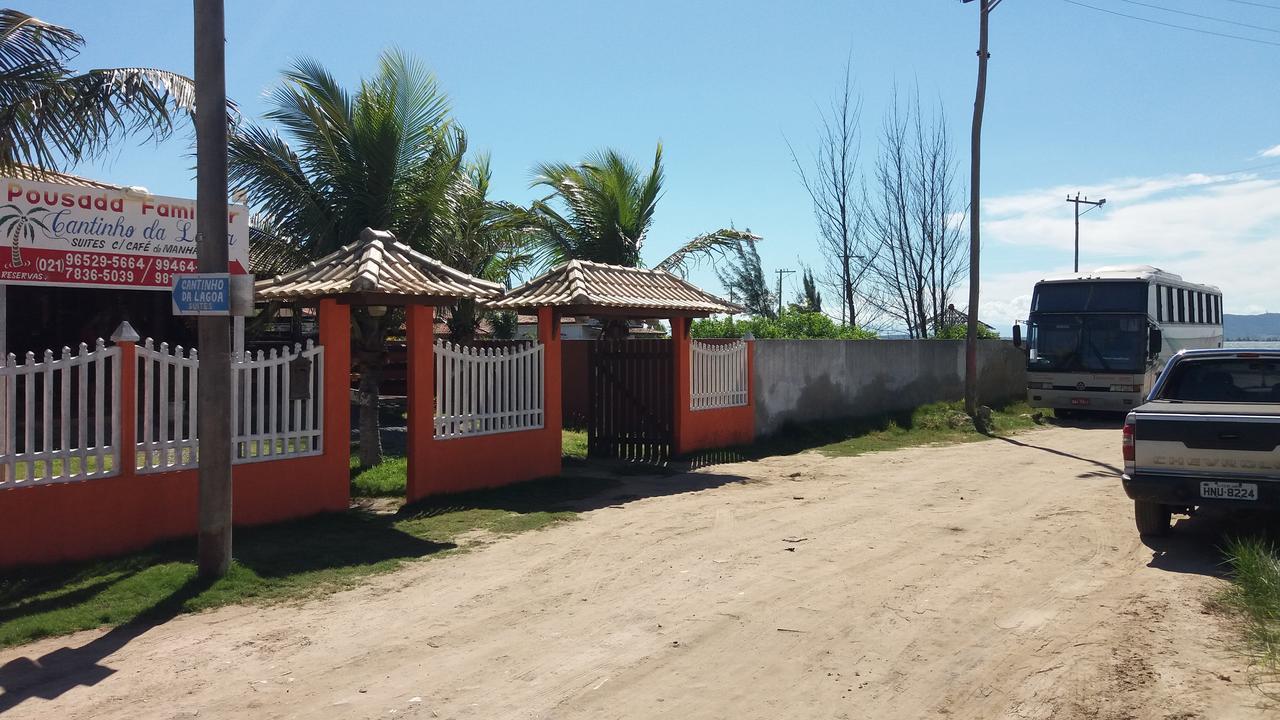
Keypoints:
(1153, 519)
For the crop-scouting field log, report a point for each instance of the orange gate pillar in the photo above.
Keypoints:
(680, 366)
(419, 327)
(553, 400)
(335, 337)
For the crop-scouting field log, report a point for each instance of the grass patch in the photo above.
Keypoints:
(1254, 596)
(574, 444)
(60, 467)
(937, 423)
(288, 561)
(386, 479)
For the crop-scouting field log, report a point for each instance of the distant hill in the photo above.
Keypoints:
(1251, 327)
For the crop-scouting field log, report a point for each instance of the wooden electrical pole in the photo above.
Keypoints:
(213, 423)
(780, 274)
(975, 196)
(1078, 202)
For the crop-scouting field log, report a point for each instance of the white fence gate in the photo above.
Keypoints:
(484, 390)
(719, 375)
(277, 402)
(59, 418)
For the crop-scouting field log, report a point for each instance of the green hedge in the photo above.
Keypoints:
(790, 325)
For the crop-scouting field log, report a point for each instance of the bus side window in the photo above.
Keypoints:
(1168, 304)
(1159, 303)
(1182, 305)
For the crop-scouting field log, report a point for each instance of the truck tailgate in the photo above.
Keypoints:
(1207, 445)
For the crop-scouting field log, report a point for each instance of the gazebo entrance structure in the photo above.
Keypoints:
(478, 416)
(649, 399)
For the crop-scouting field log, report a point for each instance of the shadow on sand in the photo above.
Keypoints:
(1106, 468)
(313, 545)
(66, 668)
(1195, 543)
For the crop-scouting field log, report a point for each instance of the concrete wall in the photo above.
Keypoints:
(799, 381)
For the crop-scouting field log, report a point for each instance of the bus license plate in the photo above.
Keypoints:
(1228, 491)
(1079, 401)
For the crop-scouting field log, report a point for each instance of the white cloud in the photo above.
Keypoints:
(1218, 229)
(1271, 152)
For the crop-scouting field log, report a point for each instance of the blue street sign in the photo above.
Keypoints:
(202, 294)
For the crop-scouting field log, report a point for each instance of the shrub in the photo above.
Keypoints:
(960, 332)
(792, 324)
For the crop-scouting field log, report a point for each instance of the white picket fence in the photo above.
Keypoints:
(485, 390)
(719, 375)
(59, 418)
(272, 419)
(268, 420)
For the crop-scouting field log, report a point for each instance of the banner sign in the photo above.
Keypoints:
(105, 238)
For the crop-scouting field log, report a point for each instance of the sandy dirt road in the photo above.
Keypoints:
(992, 580)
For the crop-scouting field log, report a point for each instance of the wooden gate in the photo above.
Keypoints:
(631, 407)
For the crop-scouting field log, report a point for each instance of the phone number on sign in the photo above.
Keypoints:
(111, 269)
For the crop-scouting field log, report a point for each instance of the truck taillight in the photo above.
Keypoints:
(1130, 429)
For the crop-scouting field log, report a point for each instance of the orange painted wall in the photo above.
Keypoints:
(472, 463)
(108, 516)
(708, 429)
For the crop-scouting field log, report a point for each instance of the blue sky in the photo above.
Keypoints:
(1170, 126)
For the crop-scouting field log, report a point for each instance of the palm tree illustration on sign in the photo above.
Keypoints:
(19, 224)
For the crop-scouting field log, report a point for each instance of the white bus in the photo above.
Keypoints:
(1097, 340)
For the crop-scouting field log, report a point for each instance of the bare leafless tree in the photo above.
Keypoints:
(832, 180)
(915, 216)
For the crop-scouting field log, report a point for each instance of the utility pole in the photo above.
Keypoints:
(780, 274)
(1078, 202)
(213, 423)
(975, 196)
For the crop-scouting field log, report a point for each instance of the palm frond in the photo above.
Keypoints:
(27, 40)
(703, 247)
(263, 167)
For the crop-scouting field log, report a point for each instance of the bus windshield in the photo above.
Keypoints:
(1074, 297)
(1088, 343)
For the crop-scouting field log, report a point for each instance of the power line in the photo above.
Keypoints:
(1255, 4)
(1173, 25)
(1202, 17)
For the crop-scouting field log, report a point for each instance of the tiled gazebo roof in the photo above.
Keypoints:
(588, 288)
(379, 267)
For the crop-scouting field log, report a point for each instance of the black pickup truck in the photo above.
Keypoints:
(1207, 436)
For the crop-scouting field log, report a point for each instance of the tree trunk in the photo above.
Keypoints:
(370, 437)
(463, 322)
(371, 358)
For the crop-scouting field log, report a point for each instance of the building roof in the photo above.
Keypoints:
(588, 288)
(951, 317)
(378, 267)
(31, 172)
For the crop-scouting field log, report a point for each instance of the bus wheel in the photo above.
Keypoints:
(1153, 519)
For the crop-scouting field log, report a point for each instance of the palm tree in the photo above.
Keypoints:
(480, 236)
(50, 115)
(608, 205)
(385, 156)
